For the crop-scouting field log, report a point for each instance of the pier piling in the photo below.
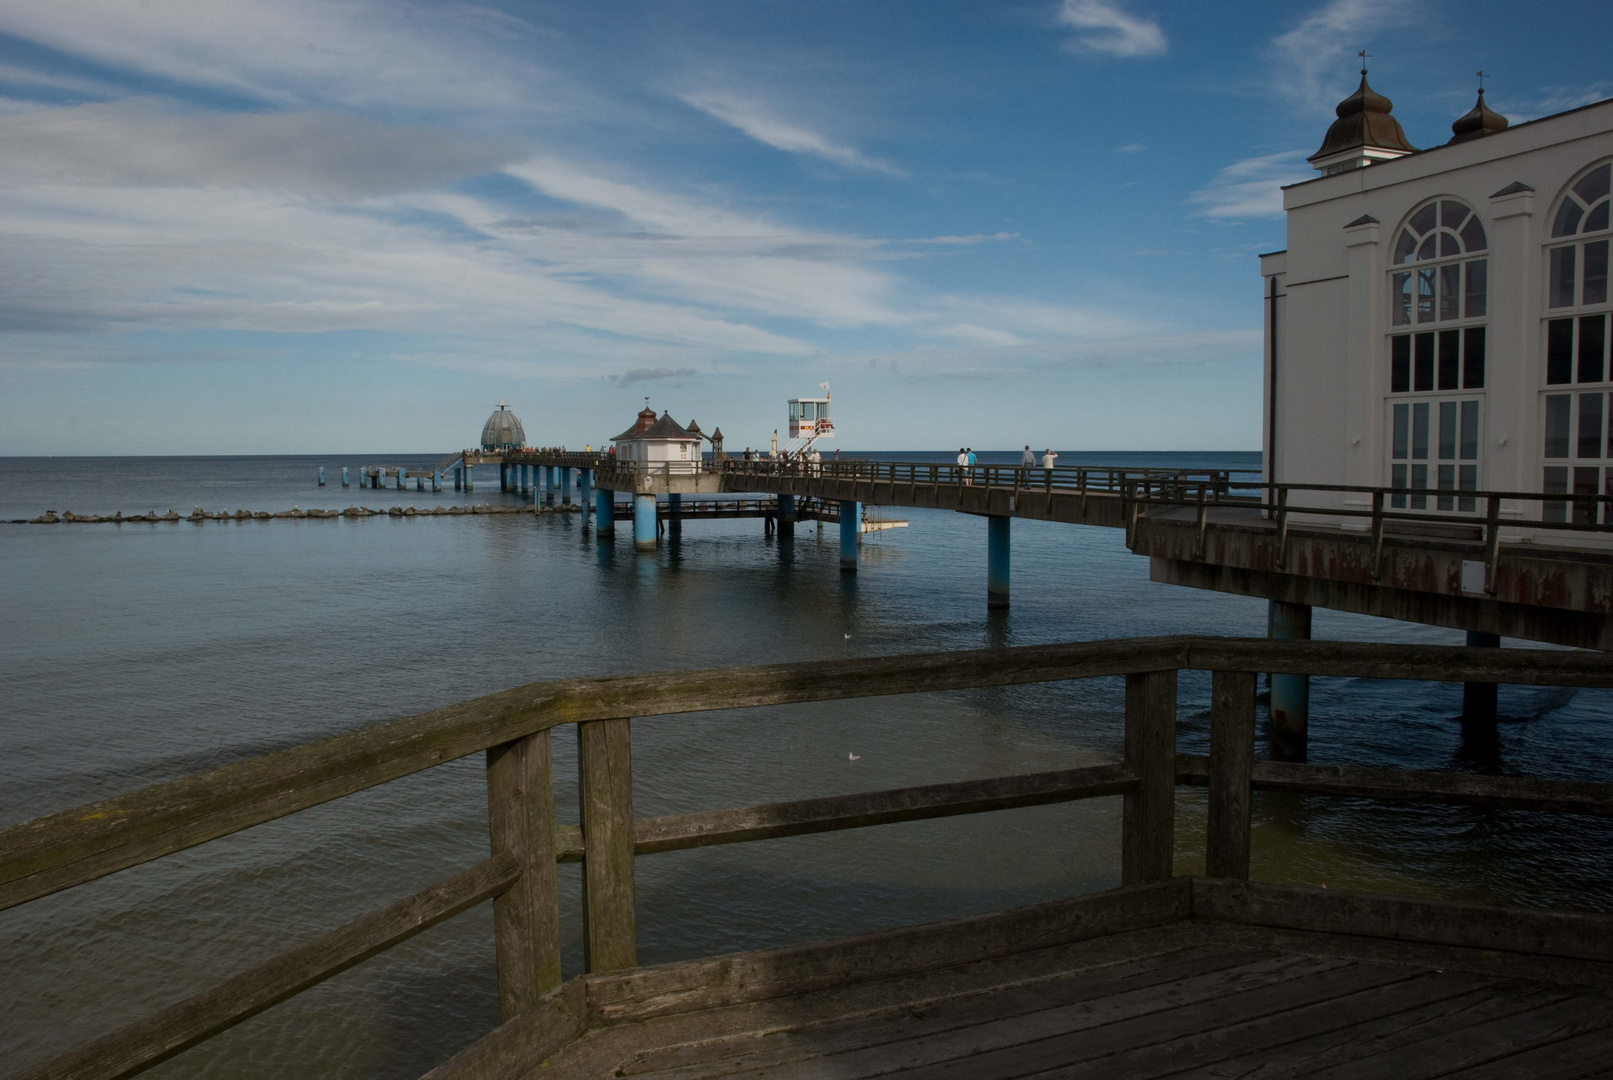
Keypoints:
(548, 484)
(604, 513)
(644, 522)
(997, 560)
(344, 476)
(470, 477)
(322, 476)
(786, 515)
(459, 478)
(675, 513)
(585, 490)
(565, 485)
(1290, 694)
(436, 479)
(850, 533)
(1479, 699)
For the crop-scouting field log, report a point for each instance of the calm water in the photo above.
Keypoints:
(137, 653)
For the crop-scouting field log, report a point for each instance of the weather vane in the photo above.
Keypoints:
(1480, 74)
(1363, 54)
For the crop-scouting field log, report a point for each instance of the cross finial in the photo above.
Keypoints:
(1480, 74)
(1364, 55)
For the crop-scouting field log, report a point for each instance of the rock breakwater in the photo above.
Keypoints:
(198, 515)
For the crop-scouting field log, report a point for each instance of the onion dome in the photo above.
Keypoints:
(503, 430)
(1479, 121)
(1363, 133)
(645, 421)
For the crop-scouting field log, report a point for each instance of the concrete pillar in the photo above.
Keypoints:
(565, 485)
(675, 513)
(549, 484)
(786, 515)
(585, 490)
(403, 478)
(644, 522)
(1290, 694)
(344, 476)
(851, 523)
(322, 476)
(1479, 699)
(470, 478)
(997, 561)
(420, 483)
(436, 479)
(605, 512)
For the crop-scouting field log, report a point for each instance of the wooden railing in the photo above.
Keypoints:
(68, 849)
(1080, 479)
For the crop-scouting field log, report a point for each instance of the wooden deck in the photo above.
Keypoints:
(1194, 997)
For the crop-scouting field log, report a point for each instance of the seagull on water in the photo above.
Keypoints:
(854, 757)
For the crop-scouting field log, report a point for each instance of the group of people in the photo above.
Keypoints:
(966, 461)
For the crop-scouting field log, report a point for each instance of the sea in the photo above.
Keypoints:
(137, 653)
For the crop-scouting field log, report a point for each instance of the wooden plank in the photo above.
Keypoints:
(795, 1043)
(1575, 935)
(753, 976)
(1449, 1052)
(157, 1038)
(47, 854)
(1407, 785)
(516, 1047)
(1483, 1006)
(1033, 1044)
(605, 792)
(1583, 1057)
(1232, 755)
(1430, 663)
(1147, 841)
(676, 832)
(526, 916)
(1271, 1032)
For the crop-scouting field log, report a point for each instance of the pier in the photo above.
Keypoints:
(1160, 975)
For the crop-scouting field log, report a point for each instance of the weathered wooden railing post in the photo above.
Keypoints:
(1148, 825)
(605, 790)
(526, 917)
(1232, 754)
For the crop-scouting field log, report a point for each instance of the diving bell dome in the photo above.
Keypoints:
(502, 430)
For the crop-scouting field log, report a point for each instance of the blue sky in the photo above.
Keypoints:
(283, 226)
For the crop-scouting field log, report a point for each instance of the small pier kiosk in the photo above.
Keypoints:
(809, 421)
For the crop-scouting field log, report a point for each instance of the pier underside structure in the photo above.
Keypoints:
(1207, 975)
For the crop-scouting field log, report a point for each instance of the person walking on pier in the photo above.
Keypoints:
(963, 465)
(971, 452)
(1028, 459)
(1048, 457)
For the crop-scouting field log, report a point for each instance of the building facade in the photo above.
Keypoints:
(1440, 318)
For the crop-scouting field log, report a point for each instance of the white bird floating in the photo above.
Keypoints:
(848, 637)
(854, 757)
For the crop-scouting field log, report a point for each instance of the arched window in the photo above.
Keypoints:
(1578, 445)
(1437, 287)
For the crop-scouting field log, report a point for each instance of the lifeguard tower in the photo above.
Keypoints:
(809, 421)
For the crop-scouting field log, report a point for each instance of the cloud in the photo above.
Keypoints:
(1312, 60)
(760, 124)
(1556, 99)
(983, 335)
(968, 241)
(638, 375)
(1103, 26)
(1251, 188)
(1131, 148)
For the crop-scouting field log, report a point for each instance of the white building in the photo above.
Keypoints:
(1440, 317)
(659, 442)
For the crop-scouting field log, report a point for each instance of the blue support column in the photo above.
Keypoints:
(565, 485)
(459, 478)
(548, 483)
(470, 478)
(605, 513)
(851, 523)
(436, 479)
(322, 476)
(403, 479)
(344, 476)
(585, 490)
(786, 515)
(1290, 694)
(997, 560)
(644, 522)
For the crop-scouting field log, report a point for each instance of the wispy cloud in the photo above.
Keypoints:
(1312, 64)
(1556, 99)
(761, 124)
(1131, 148)
(1104, 26)
(638, 375)
(1251, 188)
(970, 240)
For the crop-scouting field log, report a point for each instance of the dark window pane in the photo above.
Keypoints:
(1450, 291)
(1560, 351)
(1401, 422)
(1450, 361)
(1400, 364)
(1448, 245)
(1400, 298)
(1595, 286)
(1406, 246)
(1447, 430)
(1557, 406)
(1470, 431)
(1477, 287)
(1447, 482)
(1452, 214)
(1419, 433)
(1592, 339)
(1473, 358)
(1419, 479)
(1596, 220)
(1397, 478)
(1555, 482)
(1568, 215)
(1593, 185)
(1425, 296)
(1473, 235)
(1468, 481)
(1424, 373)
(1423, 220)
(1429, 249)
(1562, 277)
(1590, 426)
(1586, 482)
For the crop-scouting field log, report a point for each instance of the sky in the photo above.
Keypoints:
(303, 226)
